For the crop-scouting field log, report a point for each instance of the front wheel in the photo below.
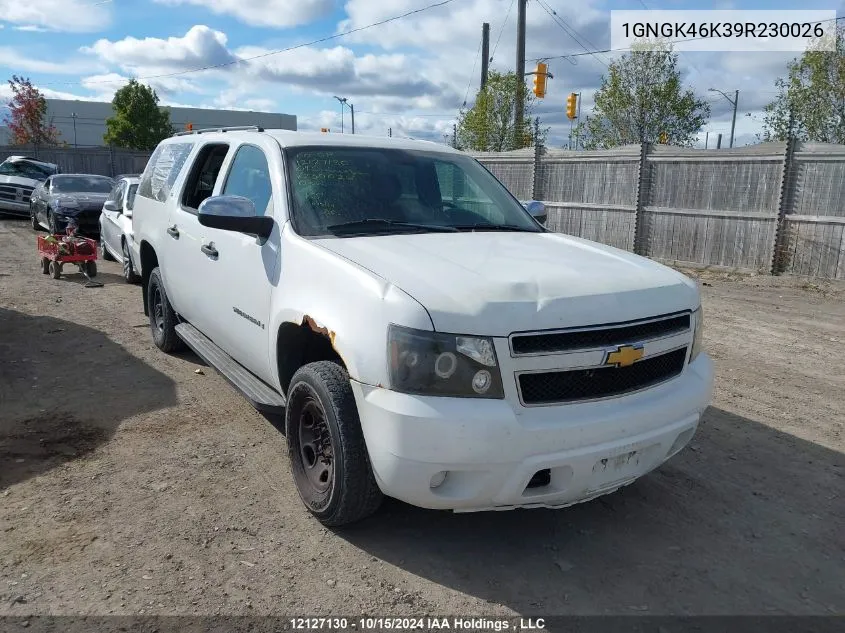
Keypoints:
(52, 223)
(105, 255)
(163, 319)
(328, 455)
(34, 220)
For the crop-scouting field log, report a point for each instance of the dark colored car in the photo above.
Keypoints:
(65, 197)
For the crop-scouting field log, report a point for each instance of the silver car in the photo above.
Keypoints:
(116, 237)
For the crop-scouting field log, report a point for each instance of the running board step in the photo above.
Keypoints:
(260, 395)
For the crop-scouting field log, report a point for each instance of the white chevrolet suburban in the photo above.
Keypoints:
(424, 336)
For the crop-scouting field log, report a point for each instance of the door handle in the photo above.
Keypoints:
(209, 250)
(172, 231)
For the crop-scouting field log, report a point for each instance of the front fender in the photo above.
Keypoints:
(349, 305)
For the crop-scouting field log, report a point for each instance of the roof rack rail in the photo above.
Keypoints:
(240, 128)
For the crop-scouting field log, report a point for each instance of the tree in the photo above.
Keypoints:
(28, 113)
(138, 121)
(642, 99)
(488, 126)
(814, 91)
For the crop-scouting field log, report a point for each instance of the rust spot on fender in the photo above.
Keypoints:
(319, 329)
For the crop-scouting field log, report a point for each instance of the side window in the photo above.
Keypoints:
(163, 169)
(203, 175)
(249, 177)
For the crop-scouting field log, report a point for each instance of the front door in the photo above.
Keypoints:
(242, 270)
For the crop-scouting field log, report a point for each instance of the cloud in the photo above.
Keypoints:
(80, 16)
(200, 46)
(11, 58)
(339, 70)
(31, 28)
(265, 13)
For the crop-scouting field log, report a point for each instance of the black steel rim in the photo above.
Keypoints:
(158, 309)
(315, 446)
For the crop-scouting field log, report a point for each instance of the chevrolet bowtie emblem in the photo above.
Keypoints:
(624, 355)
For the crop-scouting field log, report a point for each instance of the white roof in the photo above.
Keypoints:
(289, 138)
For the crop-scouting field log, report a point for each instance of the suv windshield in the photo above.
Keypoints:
(82, 184)
(26, 169)
(348, 191)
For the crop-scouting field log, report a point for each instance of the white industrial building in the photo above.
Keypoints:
(83, 123)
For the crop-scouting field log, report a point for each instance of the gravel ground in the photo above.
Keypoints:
(133, 482)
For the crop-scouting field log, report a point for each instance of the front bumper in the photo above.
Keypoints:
(14, 208)
(88, 222)
(492, 449)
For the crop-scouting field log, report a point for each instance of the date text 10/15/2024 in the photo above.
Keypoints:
(419, 624)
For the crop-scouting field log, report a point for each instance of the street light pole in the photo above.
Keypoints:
(343, 101)
(734, 103)
(73, 116)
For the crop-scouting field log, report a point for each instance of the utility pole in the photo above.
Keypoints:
(706, 139)
(73, 115)
(719, 141)
(390, 132)
(485, 52)
(455, 135)
(733, 121)
(520, 68)
(352, 108)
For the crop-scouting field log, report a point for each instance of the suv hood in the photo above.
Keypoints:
(494, 284)
(17, 180)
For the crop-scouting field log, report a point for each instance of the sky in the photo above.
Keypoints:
(410, 75)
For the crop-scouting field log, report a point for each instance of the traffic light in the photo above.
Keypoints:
(540, 80)
(572, 106)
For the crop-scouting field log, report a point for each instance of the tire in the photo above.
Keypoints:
(128, 270)
(91, 268)
(33, 220)
(104, 252)
(45, 265)
(163, 320)
(321, 414)
(55, 270)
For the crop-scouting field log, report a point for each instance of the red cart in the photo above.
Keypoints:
(56, 250)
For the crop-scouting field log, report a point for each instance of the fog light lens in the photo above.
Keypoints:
(445, 365)
(481, 381)
(438, 479)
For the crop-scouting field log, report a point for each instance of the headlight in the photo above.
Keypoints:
(698, 324)
(436, 364)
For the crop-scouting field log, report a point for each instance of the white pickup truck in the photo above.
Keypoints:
(424, 336)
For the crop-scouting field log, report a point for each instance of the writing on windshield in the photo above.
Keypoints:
(82, 184)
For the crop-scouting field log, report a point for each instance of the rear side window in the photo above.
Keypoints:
(163, 169)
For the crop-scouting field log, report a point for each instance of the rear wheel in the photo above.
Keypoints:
(91, 268)
(55, 270)
(128, 270)
(45, 265)
(328, 455)
(163, 319)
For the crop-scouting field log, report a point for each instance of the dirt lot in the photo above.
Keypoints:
(130, 483)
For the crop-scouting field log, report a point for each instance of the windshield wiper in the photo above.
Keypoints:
(492, 227)
(389, 224)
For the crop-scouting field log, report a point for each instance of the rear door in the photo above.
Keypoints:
(189, 275)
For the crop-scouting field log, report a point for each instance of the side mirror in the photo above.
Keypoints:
(111, 205)
(234, 213)
(537, 209)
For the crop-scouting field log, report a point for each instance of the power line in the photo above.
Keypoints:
(502, 30)
(628, 49)
(469, 83)
(281, 50)
(568, 29)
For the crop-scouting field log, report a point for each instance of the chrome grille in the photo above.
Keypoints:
(10, 193)
(610, 335)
